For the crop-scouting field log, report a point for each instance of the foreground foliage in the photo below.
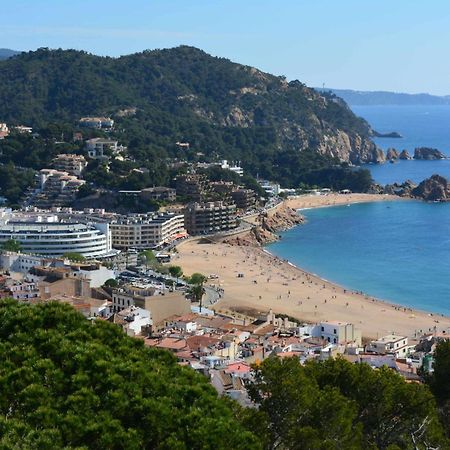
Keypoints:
(339, 405)
(70, 383)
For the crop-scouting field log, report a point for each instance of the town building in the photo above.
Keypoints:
(96, 122)
(222, 187)
(192, 186)
(272, 189)
(234, 167)
(159, 193)
(390, 344)
(144, 231)
(99, 148)
(244, 198)
(23, 129)
(161, 304)
(340, 333)
(23, 262)
(4, 130)
(70, 163)
(55, 188)
(133, 320)
(210, 217)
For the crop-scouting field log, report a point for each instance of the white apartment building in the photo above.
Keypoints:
(46, 236)
(70, 163)
(273, 189)
(234, 167)
(96, 122)
(336, 332)
(56, 188)
(98, 148)
(23, 263)
(390, 344)
(4, 130)
(144, 231)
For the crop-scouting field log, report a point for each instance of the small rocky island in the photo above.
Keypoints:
(392, 134)
(420, 154)
(428, 153)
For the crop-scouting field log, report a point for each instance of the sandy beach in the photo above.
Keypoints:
(270, 283)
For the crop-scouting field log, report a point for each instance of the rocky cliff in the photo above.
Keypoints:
(283, 219)
(268, 225)
(350, 148)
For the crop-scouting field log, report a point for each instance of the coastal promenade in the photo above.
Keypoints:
(269, 282)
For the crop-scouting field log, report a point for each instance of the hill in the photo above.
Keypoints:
(184, 94)
(6, 53)
(367, 98)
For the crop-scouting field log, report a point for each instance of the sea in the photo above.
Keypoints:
(420, 126)
(397, 251)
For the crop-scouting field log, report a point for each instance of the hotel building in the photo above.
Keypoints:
(144, 231)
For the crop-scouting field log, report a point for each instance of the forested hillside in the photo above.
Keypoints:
(221, 108)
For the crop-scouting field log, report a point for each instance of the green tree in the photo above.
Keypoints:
(71, 383)
(391, 411)
(197, 278)
(335, 404)
(439, 382)
(148, 258)
(176, 271)
(440, 378)
(12, 245)
(112, 283)
(297, 413)
(74, 256)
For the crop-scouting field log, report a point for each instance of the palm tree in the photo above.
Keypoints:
(197, 291)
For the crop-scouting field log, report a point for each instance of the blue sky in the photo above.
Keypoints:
(396, 45)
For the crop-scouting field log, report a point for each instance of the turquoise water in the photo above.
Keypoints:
(420, 126)
(398, 251)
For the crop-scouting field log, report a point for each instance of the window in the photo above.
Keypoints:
(323, 329)
(335, 331)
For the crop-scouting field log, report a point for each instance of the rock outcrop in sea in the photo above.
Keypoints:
(402, 190)
(392, 154)
(428, 153)
(435, 188)
(404, 154)
(392, 134)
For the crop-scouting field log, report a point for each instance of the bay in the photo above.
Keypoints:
(397, 251)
